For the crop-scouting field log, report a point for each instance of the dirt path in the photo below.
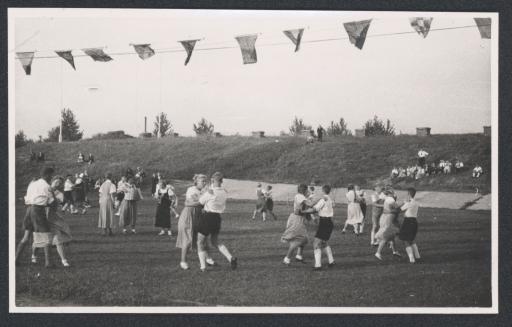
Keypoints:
(246, 190)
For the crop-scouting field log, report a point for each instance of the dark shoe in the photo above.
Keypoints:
(332, 264)
(234, 263)
(301, 260)
(317, 268)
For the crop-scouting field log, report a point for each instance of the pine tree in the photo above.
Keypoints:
(203, 127)
(70, 128)
(162, 125)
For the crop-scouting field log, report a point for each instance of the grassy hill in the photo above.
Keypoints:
(339, 161)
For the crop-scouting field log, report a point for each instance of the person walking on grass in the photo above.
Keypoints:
(388, 225)
(409, 227)
(28, 228)
(324, 208)
(107, 193)
(214, 203)
(377, 205)
(354, 214)
(68, 195)
(128, 209)
(296, 234)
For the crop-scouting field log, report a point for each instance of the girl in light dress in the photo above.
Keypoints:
(388, 224)
(354, 214)
(296, 234)
(189, 219)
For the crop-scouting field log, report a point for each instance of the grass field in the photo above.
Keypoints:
(142, 269)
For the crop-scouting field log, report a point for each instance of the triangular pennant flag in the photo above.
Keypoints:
(295, 36)
(421, 25)
(66, 55)
(189, 47)
(484, 26)
(26, 61)
(246, 43)
(97, 54)
(144, 51)
(357, 32)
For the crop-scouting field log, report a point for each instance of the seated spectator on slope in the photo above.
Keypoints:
(33, 156)
(40, 157)
(447, 167)
(477, 171)
(401, 172)
(90, 159)
(459, 165)
(394, 172)
(431, 169)
(422, 156)
(420, 173)
(80, 158)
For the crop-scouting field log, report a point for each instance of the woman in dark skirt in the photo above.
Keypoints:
(163, 209)
(409, 227)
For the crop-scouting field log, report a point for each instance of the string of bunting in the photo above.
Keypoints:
(357, 33)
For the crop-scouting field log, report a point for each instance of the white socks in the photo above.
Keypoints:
(410, 254)
(224, 250)
(361, 228)
(328, 251)
(202, 259)
(416, 252)
(318, 258)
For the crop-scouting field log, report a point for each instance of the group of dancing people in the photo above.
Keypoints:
(199, 223)
(319, 207)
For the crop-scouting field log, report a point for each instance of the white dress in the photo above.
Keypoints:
(354, 213)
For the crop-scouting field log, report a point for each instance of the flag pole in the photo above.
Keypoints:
(61, 103)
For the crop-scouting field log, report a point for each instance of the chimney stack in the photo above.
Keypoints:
(145, 123)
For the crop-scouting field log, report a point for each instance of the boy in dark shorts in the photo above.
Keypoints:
(409, 227)
(324, 208)
(214, 202)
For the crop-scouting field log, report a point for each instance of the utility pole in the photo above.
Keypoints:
(61, 102)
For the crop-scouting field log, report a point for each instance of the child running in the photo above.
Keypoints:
(409, 227)
(324, 208)
(214, 202)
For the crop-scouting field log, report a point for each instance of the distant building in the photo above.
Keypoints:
(360, 132)
(175, 134)
(307, 133)
(217, 134)
(145, 135)
(258, 134)
(487, 130)
(423, 131)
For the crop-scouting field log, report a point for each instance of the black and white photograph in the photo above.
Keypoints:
(252, 161)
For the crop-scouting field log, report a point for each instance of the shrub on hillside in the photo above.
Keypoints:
(162, 125)
(338, 128)
(298, 126)
(21, 139)
(376, 127)
(203, 127)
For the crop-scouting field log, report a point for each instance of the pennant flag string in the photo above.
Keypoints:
(175, 50)
(144, 51)
(26, 61)
(97, 54)
(247, 46)
(66, 55)
(189, 47)
(357, 32)
(484, 27)
(421, 25)
(295, 36)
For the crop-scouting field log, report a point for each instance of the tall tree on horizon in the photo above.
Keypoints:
(70, 128)
(162, 125)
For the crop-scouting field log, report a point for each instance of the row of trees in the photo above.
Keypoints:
(372, 127)
(163, 127)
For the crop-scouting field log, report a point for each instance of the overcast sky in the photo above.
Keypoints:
(443, 81)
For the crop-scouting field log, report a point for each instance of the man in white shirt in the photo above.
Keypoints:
(39, 196)
(422, 155)
(214, 202)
